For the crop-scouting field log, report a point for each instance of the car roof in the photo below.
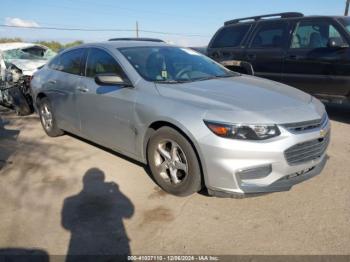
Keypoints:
(122, 44)
(17, 45)
(240, 21)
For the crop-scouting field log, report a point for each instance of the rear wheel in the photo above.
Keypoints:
(173, 162)
(47, 118)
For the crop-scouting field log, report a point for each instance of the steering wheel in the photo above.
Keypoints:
(183, 71)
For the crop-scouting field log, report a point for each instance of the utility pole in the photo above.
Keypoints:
(137, 28)
(347, 8)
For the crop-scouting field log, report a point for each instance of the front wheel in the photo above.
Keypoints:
(173, 162)
(47, 118)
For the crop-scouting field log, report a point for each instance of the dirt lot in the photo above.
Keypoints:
(66, 196)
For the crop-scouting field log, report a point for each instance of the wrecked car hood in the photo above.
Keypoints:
(28, 67)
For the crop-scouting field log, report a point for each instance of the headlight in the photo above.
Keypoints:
(243, 132)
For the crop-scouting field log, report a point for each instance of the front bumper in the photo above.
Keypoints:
(224, 159)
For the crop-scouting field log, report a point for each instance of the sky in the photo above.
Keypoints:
(186, 22)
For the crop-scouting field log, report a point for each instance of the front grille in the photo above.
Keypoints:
(307, 125)
(307, 151)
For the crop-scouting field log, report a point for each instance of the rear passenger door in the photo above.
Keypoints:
(266, 49)
(61, 86)
(314, 66)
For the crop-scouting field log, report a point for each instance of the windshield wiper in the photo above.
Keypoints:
(193, 80)
(170, 81)
(211, 77)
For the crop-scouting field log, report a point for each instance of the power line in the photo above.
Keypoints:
(100, 30)
(66, 29)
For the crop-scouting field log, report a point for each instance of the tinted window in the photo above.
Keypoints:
(100, 62)
(70, 61)
(55, 63)
(270, 35)
(346, 22)
(230, 36)
(314, 34)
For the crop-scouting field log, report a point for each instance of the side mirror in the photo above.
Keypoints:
(336, 42)
(111, 80)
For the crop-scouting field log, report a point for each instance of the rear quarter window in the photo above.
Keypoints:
(230, 36)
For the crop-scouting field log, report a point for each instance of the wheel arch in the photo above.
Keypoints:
(154, 126)
(38, 97)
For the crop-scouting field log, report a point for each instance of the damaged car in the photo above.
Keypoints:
(18, 62)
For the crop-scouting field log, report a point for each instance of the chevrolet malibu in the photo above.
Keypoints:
(194, 123)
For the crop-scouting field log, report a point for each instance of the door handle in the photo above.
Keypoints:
(251, 56)
(52, 82)
(82, 89)
(294, 57)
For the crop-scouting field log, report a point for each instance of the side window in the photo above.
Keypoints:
(230, 36)
(55, 63)
(314, 34)
(70, 61)
(270, 35)
(100, 62)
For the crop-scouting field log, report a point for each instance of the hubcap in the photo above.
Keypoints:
(46, 117)
(171, 162)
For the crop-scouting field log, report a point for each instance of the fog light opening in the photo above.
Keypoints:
(255, 173)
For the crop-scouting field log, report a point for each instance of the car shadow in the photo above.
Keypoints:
(339, 112)
(111, 151)
(94, 217)
(8, 138)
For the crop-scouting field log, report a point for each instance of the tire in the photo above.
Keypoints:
(46, 113)
(176, 171)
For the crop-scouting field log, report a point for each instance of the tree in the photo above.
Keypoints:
(10, 40)
(54, 45)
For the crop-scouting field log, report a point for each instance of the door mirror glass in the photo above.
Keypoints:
(111, 79)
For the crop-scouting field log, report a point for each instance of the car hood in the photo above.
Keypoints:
(248, 99)
(28, 67)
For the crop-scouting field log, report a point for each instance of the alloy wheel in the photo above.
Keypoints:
(171, 162)
(46, 116)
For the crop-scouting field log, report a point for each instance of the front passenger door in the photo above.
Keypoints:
(106, 112)
(314, 66)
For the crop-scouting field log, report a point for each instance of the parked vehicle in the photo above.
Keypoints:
(18, 62)
(308, 52)
(194, 122)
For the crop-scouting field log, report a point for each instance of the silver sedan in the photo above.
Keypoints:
(193, 122)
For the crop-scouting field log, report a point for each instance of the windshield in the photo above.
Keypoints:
(173, 64)
(32, 53)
